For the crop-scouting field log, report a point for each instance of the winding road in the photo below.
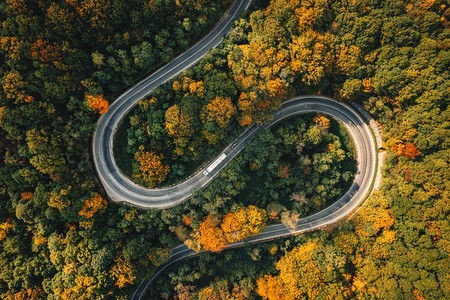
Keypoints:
(121, 189)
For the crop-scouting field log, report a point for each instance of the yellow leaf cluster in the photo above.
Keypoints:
(84, 288)
(272, 288)
(122, 272)
(5, 227)
(15, 88)
(12, 46)
(299, 277)
(349, 59)
(58, 200)
(2, 111)
(220, 110)
(322, 121)
(197, 88)
(153, 172)
(26, 294)
(178, 123)
(39, 240)
(17, 6)
(311, 56)
(91, 206)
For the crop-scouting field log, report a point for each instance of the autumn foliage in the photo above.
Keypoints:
(15, 88)
(153, 172)
(322, 122)
(5, 227)
(213, 234)
(177, 122)
(98, 103)
(25, 294)
(271, 287)
(122, 272)
(219, 110)
(91, 206)
(408, 150)
(299, 277)
(59, 199)
(46, 52)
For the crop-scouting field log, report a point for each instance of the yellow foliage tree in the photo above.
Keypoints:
(178, 123)
(5, 227)
(349, 59)
(122, 272)
(12, 46)
(299, 276)
(216, 291)
(58, 199)
(34, 293)
(98, 103)
(220, 110)
(92, 205)
(17, 6)
(153, 172)
(272, 288)
(85, 287)
(2, 112)
(15, 88)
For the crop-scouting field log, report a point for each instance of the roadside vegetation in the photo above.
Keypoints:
(393, 58)
(61, 62)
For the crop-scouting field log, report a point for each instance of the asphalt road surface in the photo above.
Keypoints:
(361, 187)
(118, 187)
(121, 189)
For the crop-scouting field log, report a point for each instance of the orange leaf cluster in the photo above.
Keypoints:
(213, 235)
(408, 150)
(283, 171)
(98, 103)
(27, 195)
(271, 287)
(153, 172)
(91, 206)
(45, 51)
(187, 220)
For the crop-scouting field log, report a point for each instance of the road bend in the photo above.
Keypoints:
(120, 189)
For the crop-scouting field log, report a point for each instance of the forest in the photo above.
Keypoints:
(63, 62)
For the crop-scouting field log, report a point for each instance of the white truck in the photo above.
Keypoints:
(214, 164)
